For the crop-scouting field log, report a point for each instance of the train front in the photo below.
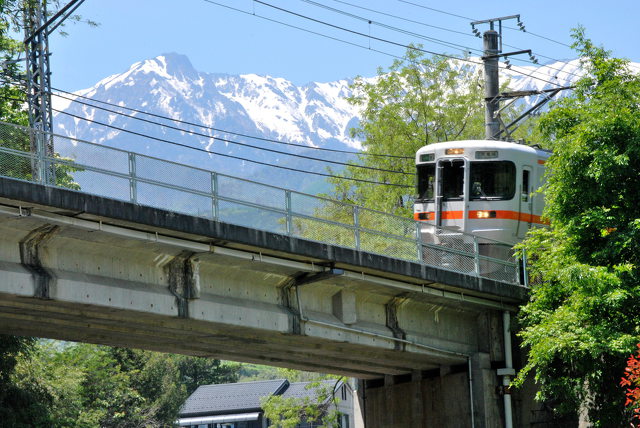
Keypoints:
(478, 187)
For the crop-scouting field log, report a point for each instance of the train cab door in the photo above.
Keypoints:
(525, 202)
(451, 176)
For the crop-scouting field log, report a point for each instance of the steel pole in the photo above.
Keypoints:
(491, 84)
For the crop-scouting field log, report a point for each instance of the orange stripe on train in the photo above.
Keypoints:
(496, 214)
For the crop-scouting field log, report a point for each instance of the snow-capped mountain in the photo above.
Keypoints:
(316, 114)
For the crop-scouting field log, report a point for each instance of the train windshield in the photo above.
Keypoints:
(452, 179)
(492, 180)
(426, 181)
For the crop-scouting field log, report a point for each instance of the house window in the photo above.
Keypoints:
(344, 392)
(343, 421)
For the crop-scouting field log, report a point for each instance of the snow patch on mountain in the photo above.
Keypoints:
(229, 108)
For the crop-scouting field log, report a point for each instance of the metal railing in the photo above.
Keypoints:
(119, 174)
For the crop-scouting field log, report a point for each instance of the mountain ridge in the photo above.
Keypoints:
(316, 114)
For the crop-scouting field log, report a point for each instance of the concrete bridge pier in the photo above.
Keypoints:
(446, 396)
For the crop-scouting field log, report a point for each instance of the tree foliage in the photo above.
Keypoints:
(318, 407)
(417, 101)
(22, 404)
(59, 384)
(582, 320)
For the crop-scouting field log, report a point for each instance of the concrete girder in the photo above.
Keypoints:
(234, 302)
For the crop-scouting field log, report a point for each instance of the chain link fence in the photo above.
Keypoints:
(144, 180)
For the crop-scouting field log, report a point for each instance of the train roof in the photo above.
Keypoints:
(485, 145)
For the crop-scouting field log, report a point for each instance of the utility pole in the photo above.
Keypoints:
(38, 86)
(36, 43)
(495, 128)
(491, 83)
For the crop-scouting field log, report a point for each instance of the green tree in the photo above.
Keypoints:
(318, 407)
(417, 101)
(582, 320)
(22, 403)
(88, 386)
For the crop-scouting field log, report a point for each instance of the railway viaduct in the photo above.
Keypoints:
(426, 343)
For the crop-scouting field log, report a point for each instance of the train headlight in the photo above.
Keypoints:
(454, 152)
(485, 214)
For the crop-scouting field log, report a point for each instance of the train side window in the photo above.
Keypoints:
(426, 181)
(495, 180)
(525, 185)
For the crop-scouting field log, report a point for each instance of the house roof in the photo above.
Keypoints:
(302, 390)
(231, 397)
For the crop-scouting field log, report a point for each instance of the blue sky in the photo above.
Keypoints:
(219, 39)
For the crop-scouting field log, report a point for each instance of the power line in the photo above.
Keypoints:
(369, 47)
(504, 26)
(236, 142)
(163, 140)
(410, 33)
(472, 19)
(384, 40)
(199, 125)
(390, 27)
(424, 24)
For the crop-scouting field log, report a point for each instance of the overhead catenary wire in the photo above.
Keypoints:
(226, 140)
(472, 19)
(504, 26)
(369, 47)
(390, 15)
(199, 125)
(391, 27)
(164, 140)
(420, 36)
(391, 42)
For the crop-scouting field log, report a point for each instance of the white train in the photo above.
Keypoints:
(482, 187)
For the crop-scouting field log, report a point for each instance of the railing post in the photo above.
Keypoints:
(288, 208)
(419, 241)
(525, 274)
(476, 255)
(356, 223)
(215, 203)
(133, 185)
(41, 158)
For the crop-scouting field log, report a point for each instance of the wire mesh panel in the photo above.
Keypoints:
(16, 165)
(314, 206)
(91, 155)
(95, 182)
(324, 231)
(253, 217)
(497, 261)
(175, 200)
(387, 223)
(442, 257)
(16, 137)
(173, 174)
(252, 192)
(388, 245)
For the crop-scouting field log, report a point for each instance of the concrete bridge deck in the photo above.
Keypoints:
(63, 250)
(86, 268)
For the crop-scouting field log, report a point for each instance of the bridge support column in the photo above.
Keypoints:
(486, 401)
